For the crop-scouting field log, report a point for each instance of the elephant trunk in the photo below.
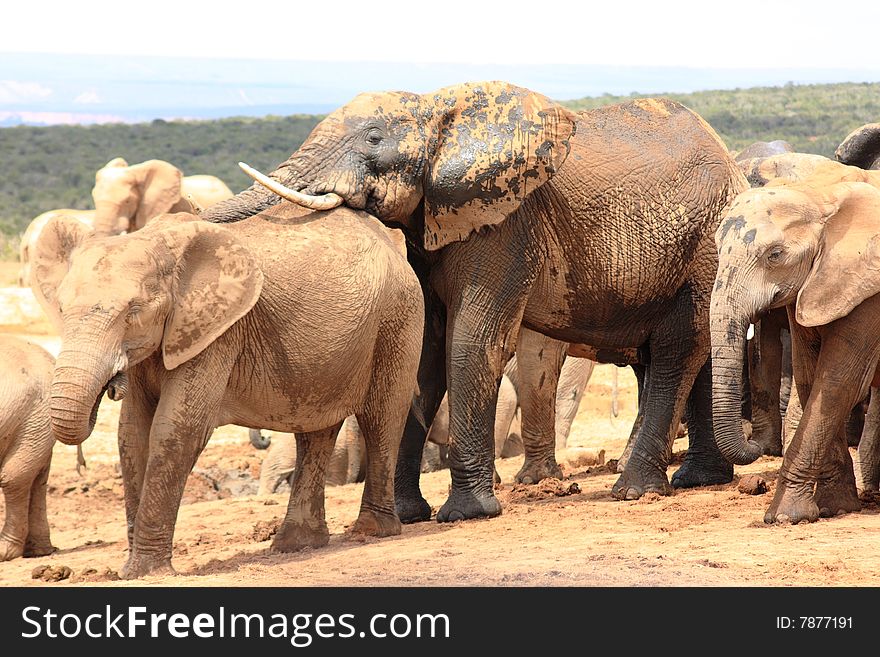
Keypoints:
(728, 329)
(78, 385)
(108, 219)
(255, 199)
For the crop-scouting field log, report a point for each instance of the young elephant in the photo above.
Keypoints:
(291, 320)
(25, 448)
(812, 246)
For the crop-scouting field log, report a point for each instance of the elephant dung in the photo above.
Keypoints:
(51, 573)
(752, 485)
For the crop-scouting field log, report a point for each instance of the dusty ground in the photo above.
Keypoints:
(701, 537)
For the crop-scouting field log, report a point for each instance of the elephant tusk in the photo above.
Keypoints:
(323, 202)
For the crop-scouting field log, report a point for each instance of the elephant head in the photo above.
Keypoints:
(861, 148)
(126, 197)
(175, 286)
(467, 154)
(813, 245)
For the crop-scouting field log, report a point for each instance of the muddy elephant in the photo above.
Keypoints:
(25, 447)
(861, 148)
(809, 246)
(307, 318)
(32, 234)
(347, 462)
(127, 196)
(598, 227)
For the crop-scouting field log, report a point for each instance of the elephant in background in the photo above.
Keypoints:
(32, 234)
(347, 462)
(761, 149)
(809, 246)
(861, 148)
(582, 250)
(25, 447)
(127, 196)
(306, 319)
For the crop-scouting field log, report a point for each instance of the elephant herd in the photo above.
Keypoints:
(393, 264)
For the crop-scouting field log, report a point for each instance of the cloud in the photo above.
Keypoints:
(87, 98)
(14, 91)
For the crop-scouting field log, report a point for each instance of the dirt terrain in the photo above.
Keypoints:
(548, 535)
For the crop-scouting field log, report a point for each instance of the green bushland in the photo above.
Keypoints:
(54, 167)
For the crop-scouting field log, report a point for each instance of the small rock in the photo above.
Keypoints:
(752, 485)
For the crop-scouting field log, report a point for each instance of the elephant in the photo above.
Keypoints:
(127, 196)
(598, 227)
(761, 149)
(32, 234)
(25, 448)
(307, 318)
(861, 148)
(808, 246)
(347, 462)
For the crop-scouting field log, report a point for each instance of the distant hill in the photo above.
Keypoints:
(53, 167)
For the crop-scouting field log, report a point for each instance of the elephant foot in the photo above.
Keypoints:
(412, 509)
(10, 549)
(836, 497)
(534, 470)
(38, 547)
(635, 482)
(295, 536)
(139, 565)
(695, 471)
(465, 505)
(374, 523)
(792, 503)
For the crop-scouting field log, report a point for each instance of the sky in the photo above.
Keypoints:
(744, 34)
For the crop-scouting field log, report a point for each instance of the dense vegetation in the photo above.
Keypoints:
(54, 167)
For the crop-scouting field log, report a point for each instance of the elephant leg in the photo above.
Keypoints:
(505, 412)
(678, 351)
(279, 464)
(785, 383)
(485, 311)
(838, 493)
(703, 464)
(341, 458)
(539, 361)
(573, 379)
(793, 413)
(766, 375)
(38, 541)
(133, 438)
(304, 524)
(378, 516)
(411, 505)
(824, 379)
(869, 446)
(855, 423)
(16, 479)
(641, 372)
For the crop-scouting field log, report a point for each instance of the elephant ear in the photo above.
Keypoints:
(496, 143)
(846, 270)
(159, 183)
(50, 260)
(217, 282)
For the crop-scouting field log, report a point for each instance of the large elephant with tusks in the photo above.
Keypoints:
(593, 228)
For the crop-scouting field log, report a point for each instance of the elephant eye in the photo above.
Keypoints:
(775, 254)
(373, 138)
